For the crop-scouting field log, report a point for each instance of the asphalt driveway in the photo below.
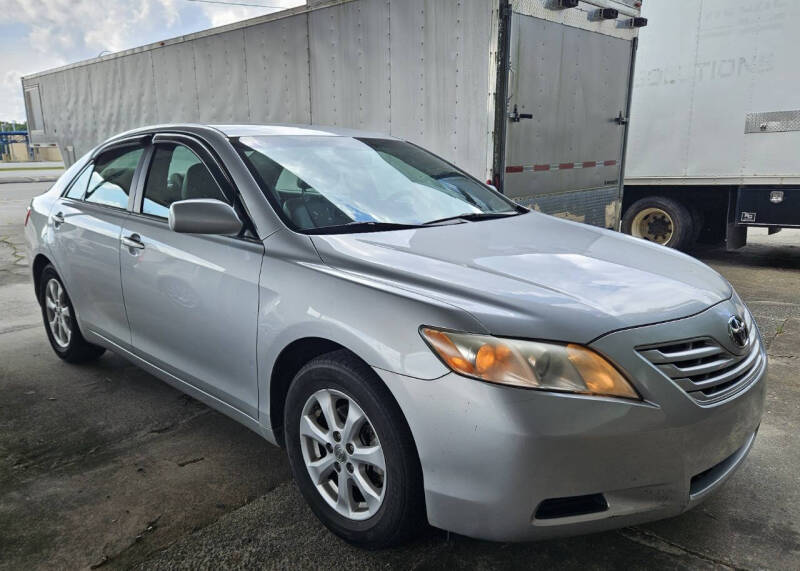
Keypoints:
(105, 466)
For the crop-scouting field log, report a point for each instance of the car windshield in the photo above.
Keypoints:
(341, 184)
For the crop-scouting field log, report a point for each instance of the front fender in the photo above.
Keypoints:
(300, 297)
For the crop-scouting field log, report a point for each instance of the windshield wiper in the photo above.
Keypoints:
(356, 226)
(473, 216)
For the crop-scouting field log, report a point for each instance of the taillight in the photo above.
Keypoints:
(27, 215)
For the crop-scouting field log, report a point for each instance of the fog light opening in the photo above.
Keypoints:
(571, 506)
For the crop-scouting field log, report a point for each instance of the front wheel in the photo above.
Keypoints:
(352, 453)
(661, 220)
(60, 323)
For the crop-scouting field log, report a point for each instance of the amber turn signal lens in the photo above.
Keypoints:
(528, 364)
(600, 376)
(448, 351)
(485, 358)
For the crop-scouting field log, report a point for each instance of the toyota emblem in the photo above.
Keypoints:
(737, 329)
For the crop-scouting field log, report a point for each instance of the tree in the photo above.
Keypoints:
(13, 125)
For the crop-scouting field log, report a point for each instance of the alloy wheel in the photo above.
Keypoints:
(59, 318)
(343, 454)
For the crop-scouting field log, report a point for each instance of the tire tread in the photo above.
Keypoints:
(684, 232)
(408, 517)
(79, 350)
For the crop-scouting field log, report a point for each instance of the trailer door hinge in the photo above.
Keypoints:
(635, 23)
(621, 119)
(562, 4)
(604, 14)
(515, 116)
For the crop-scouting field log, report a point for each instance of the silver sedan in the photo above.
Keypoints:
(424, 349)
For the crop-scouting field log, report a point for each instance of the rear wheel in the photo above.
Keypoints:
(60, 323)
(352, 453)
(661, 220)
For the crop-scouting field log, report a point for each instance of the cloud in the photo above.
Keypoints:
(13, 66)
(221, 15)
(81, 26)
(41, 34)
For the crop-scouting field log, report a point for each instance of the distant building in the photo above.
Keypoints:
(15, 147)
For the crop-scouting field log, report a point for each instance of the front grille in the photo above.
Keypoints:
(705, 369)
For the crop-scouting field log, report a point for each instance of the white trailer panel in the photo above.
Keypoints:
(276, 53)
(350, 71)
(221, 79)
(176, 89)
(433, 72)
(334, 63)
(703, 68)
(114, 103)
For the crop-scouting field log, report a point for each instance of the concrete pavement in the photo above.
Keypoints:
(30, 172)
(9, 165)
(14, 199)
(103, 465)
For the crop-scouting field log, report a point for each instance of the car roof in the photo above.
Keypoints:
(238, 131)
(294, 129)
(252, 131)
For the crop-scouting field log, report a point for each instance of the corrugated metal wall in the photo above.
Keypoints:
(417, 69)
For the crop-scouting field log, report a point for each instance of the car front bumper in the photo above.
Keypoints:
(491, 455)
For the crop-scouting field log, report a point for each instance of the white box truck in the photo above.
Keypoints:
(714, 146)
(531, 95)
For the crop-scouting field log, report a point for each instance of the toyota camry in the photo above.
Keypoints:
(425, 349)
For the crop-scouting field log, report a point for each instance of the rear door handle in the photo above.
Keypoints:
(58, 219)
(133, 241)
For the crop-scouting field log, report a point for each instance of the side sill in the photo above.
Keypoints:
(184, 387)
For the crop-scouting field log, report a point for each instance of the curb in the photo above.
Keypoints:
(18, 179)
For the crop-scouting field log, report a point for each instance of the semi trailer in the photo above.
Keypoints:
(529, 95)
(714, 144)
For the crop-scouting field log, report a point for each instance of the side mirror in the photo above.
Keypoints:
(204, 216)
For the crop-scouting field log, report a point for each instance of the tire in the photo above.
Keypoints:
(698, 221)
(661, 220)
(64, 335)
(399, 513)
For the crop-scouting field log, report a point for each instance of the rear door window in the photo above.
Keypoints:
(112, 177)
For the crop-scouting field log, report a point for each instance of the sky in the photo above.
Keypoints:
(36, 35)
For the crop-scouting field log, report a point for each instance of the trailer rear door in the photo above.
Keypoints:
(568, 93)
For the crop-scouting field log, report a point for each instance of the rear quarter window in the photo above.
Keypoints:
(78, 187)
(69, 176)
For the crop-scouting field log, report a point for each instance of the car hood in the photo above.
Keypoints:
(534, 276)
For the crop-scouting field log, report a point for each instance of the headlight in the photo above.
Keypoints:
(528, 364)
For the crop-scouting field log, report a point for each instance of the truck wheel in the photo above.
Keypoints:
(660, 220)
(698, 221)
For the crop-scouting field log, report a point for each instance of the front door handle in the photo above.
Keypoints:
(133, 241)
(58, 219)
